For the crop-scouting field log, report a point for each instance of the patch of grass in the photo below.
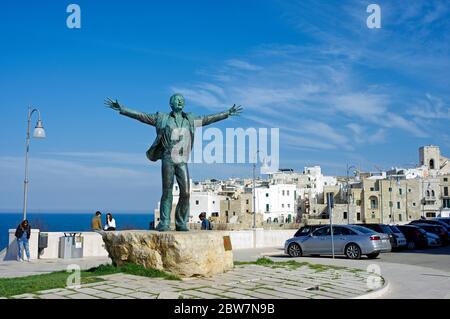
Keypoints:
(31, 284)
(292, 264)
(131, 269)
(21, 285)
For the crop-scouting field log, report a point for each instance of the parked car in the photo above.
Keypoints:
(306, 230)
(399, 237)
(383, 229)
(415, 236)
(436, 229)
(349, 240)
(432, 222)
(433, 240)
(445, 220)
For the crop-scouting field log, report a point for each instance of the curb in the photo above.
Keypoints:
(376, 294)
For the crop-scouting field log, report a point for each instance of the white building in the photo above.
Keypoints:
(276, 201)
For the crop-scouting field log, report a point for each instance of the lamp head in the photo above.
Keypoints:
(39, 131)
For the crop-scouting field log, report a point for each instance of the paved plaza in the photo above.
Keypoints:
(247, 281)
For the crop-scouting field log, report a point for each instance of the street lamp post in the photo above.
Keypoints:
(254, 190)
(38, 132)
(348, 191)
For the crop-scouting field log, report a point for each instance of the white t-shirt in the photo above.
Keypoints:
(111, 223)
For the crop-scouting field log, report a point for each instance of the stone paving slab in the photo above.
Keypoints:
(243, 282)
(52, 296)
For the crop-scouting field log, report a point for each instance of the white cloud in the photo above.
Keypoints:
(243, 65)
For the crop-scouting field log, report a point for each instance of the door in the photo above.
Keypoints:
(319, 242)
(342, 235)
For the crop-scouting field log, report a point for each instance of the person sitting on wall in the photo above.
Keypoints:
(96, 223)
(23, 233)
(110, 223)
(206, 224)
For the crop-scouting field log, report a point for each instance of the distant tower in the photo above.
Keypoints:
(430, 156)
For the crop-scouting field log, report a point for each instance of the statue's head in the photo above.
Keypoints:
(177, 102)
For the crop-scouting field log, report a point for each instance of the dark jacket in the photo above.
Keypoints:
(20, 231)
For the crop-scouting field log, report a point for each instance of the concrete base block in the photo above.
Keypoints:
(186, 254)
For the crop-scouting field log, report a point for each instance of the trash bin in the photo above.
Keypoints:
(43, 240)
(71, 246)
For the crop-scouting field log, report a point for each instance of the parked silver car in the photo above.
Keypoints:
(349, 240)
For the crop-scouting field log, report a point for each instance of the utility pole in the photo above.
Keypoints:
(254, 196)
(330, 213)
(348, 191)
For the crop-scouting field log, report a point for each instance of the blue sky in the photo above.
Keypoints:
(339, 92)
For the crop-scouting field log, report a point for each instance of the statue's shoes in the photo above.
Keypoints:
(182, 229)
(163, 228)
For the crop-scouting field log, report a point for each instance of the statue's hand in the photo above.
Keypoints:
(113, 104)
(235, 110)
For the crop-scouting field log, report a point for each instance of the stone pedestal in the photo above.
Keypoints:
(185, 254)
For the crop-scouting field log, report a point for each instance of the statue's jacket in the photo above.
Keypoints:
(159, 120)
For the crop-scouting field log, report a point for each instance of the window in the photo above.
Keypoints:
(409, 190)
(344, 215)
(431, 214)
(287, 193)
(398, 205)
(445, 179)
(399, 217)
(428, 193)
(373, 202)
(358, 216)
(372, 189)
(390, 189)
(446, 203)
(267, 194)
(214, 202)
(289, 205)
(414, 204)
(176, 187)
(196, 202)
(400, 191)
(432, 193)
(445, 191)
(246, 211)
(215, 214)
(391, 204)
(373, 215)
(358, 202)
(323, 231)
(267, 207)
(282, 205)
(431, 163)
(282, 193)
(234, 213)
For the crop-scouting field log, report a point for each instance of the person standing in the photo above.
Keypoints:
(23, 234)
(206, 224)
(110, 223)
(96, 223)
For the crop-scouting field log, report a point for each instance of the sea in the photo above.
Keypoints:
(69, 222)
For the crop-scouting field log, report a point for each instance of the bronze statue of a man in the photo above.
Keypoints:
(173, 143)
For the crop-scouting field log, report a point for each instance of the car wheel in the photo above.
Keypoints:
(294, 250)
(373, 256)
(353, 251)
(411, 245)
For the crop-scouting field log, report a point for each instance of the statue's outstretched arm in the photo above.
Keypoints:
(209, 119)
(140, 116)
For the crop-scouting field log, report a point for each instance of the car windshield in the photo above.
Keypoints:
(447, 221)
(363, 230)
(386, 229)
(395, 229)
(304, 231)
